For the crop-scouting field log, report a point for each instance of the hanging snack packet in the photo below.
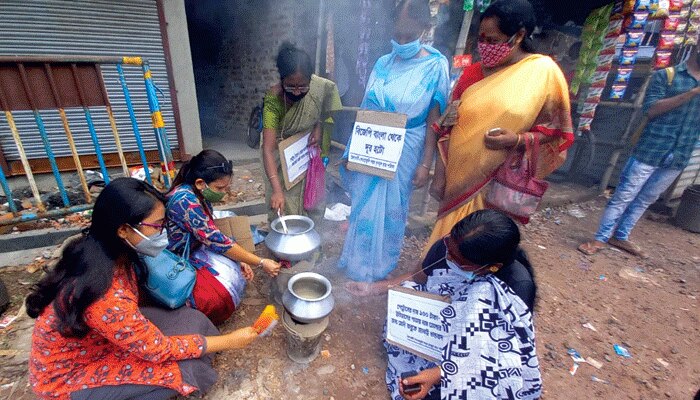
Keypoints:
(666, 41)
(618, 92)
(623, 75)
(634, 39)
(663, 59)
(599, 79)
(662, 10)
(675, 5)
(671, 23)
(639, 20)
(691, 40)
(605, 59)
(642, 5)
(628, 57)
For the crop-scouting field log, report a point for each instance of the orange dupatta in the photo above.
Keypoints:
(529, 96)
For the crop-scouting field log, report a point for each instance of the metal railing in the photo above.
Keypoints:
(51, 63)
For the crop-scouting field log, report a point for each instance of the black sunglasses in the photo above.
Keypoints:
(226, 166)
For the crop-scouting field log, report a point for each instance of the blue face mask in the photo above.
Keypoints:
(406, 51)
(467, 275)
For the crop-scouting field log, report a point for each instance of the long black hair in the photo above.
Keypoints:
(86, 268)
(291, 60)
(487, 237)
(208, 165)
(512, 16)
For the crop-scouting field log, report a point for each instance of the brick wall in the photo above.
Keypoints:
(246, 63)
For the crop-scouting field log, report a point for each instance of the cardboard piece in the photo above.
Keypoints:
(376, 143)
(237, 228)
(294, 157)
(413, 322)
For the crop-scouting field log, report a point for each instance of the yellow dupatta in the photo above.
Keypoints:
(531, 95)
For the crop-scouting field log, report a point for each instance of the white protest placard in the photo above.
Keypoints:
(294, 156)
(413, 322)
(377, 143)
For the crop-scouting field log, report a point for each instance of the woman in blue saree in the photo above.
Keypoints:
(413, 80)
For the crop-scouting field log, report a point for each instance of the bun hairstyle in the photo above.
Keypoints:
(487, 237)
(291, 59)
(512, 16)
(418, 10)
(86, 268)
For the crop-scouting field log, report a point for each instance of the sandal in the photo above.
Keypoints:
(591, 248)
(628, 246)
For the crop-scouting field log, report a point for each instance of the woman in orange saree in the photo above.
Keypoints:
(506, 99)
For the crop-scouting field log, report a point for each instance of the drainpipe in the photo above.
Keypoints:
(319, 35)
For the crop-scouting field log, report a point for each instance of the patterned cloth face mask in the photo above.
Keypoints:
(493, 54)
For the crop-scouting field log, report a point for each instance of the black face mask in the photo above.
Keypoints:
(294, 97)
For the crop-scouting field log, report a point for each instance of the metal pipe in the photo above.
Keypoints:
(8, 192)
(69, 133)
(69, 59)
(20, 150)
(319, 35)
(91, 126)
(44, 136)
(158, 126)
(112, 121)
(48, 214)
(134, 123)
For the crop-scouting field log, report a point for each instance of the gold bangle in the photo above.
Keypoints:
(260, 264)
(271, 177)
(425, 166)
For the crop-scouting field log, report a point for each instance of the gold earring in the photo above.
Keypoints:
(493, 269)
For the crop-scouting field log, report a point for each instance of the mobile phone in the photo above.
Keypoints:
(494, 131)
(410, 389)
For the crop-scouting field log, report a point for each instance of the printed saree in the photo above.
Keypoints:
(529, 96)
(321, 100)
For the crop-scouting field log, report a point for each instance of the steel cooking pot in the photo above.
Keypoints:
(308, 297)
(299, 243)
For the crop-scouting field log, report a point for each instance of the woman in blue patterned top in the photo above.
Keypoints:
(201, 181)
(413, 80)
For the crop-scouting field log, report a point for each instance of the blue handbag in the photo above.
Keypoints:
(171, 278)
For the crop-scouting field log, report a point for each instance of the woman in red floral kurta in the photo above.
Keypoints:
(91, 339)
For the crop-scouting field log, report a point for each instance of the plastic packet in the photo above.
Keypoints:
(617, 92)
(639, 20)
(666, 41)
(623, 75)
(642, 5)
(663, 59)
(628, 57)
(634, 39)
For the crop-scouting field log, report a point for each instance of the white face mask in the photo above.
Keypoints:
(150, 245)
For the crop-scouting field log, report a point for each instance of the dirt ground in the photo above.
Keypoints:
(648, 306)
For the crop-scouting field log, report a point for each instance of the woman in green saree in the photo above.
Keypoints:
(300, 102)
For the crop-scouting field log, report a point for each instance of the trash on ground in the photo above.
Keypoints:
(602, 278)
(596, 379)
(325, 354)
(365, 370)
(573, 369)
(337, 212)
(7, 320)
(541, 247)
(621, 351)
(576, 212)
(575, 356)
(663, 362)
(595, 363)
(588, 325)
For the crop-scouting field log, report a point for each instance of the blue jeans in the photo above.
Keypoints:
(640, 186)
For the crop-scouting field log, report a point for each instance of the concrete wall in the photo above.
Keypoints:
(183, 75)
(246, 63)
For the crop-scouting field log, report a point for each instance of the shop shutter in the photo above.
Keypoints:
(87, 28)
